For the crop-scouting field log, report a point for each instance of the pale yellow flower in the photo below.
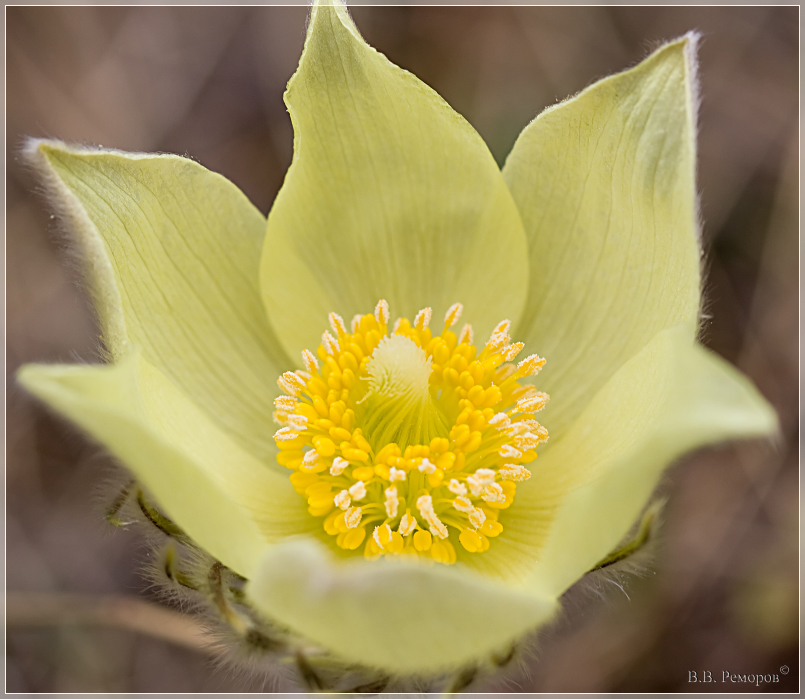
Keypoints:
(587, 242)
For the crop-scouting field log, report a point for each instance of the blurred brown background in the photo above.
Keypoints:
(722, 594)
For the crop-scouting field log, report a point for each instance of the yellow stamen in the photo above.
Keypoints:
(310, 362)
(428, 434)
(338, 467)
(502, 328)
(353, 517)
(465, 336)
(382, 312)
(422, 319)
(532, 404)
(407, 524)
(357, 491)
(291, 384)
(285, 403)
(337, 324)
(455, 487)
(529, 366)
(330, 344)
(514, 472)
(477, 517)
(452, 315)
(392, 502)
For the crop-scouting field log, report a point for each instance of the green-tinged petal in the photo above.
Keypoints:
(605, 184)
(590, 486)
(226, 500)
(171, 253)
(391, 194)
(396, 616)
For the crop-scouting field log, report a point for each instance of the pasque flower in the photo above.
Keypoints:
(427, 521)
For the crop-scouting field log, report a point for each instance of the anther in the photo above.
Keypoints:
(462, 504)
(343, 500)
(479, 480)
(455, 487)
(427, 467)
(286, 434)
(512, 351)
(485, 475)
(502, 327)
(509, 452)
(382, 312)
(381, 533)
(477, 517)
(311, 458)
(496, 342)
(530, 366)
(338, 466)
(296, 422)
(337, 324)
(407, 524)
(466, 335)
(310, 362)
(358, 491)
(330, 343)
(356, 321)
(452, 315)
(425, 505)
(285, 403)
(514, 472)
(422, 319)
(516, 428)
(292, 384)
(529, 424)
(392, 501)
(533, 403)
(493, 493)
(353, 517)
(527, 441)
(437, 528)
(500, 420)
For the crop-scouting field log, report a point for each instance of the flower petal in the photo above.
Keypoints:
(605, 184)
(589, 487)
(228, 502)
(388, 614)
(391, 194)
(171, 254)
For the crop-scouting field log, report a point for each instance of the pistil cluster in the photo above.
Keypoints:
(406, 442)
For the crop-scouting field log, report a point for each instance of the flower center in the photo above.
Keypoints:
(409, 442)
(398, 406)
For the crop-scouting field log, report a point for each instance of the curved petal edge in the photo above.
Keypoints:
(227, 502)
(606, 188)
(170, 253)
(396, 616)
(671, 398)
(391, 194)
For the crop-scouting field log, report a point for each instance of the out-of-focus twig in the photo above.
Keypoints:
(130, 613)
